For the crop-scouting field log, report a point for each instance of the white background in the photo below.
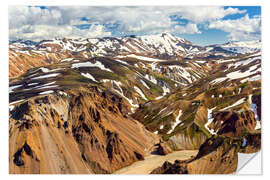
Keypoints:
(265, 84)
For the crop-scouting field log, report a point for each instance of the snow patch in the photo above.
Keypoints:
(123, 62)
(144, 84)
(183, 72)
(62, 93)
(142, 58)
(120, 92)
(239, 91)
(89, 76)
(253, 107)
(46, 76)
(46, 92)
(14, 102)
(162, 110)
(218, 80)
(106, 80)
(240, 101)
(254, 78)
(159, 97)
(90, 64)
(11, 88)
(45, 86)
(138, 90)
(165, 90)
(151, 78)
(177, 121)
(11, 107)
(67, 60)
(238, 74)
(45, 70)
(258, 125)
(210, 119)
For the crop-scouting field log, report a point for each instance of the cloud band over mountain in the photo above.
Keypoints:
(38, 23)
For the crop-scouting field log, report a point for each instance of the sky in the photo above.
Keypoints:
(202, 25)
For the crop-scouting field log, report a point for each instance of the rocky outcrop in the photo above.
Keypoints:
(82, 127)
(181, 127)
(256, 99)
(251, 143)
(184, 141)
(25, 149)
(217, 155)
(233, 124)
(84, 131)
(20, 63)
(163, 149)
(179, 167)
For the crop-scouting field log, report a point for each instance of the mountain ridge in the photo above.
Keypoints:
(117, 108)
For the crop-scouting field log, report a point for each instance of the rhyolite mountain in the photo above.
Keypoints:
(98, 105)
(29, 54)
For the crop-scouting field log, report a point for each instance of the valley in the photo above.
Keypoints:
(154, 104)
(151, 162)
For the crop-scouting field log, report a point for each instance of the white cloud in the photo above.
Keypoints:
(200, 14)
(40, 32)
(58, 21)
(23, 15)
(244, 28)
(190, 28)
(96, 31)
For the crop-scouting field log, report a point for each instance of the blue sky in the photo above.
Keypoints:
(212, 36)
(202, 25)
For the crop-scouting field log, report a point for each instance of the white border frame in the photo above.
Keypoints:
(4, 75)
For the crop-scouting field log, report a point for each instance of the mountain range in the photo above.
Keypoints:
(99, 105)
